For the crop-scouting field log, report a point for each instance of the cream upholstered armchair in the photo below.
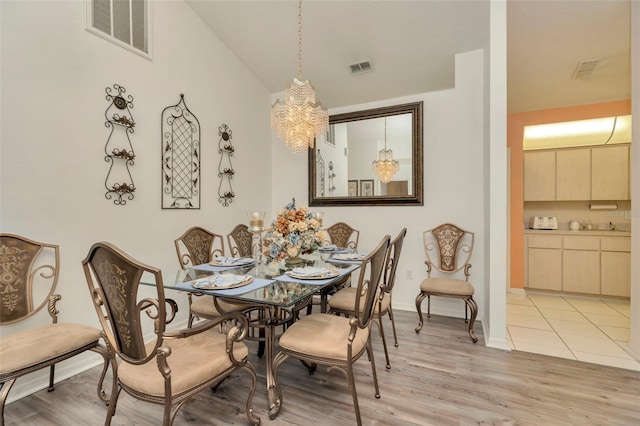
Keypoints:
(343, 302)
(29, 273)
(173, 366)
(335, 341)
(448, 249)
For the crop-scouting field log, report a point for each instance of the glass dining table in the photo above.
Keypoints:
(273, 293)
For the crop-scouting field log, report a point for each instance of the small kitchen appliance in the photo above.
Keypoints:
(543, 222)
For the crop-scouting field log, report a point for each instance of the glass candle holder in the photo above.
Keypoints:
(318, 216)
(256, 222)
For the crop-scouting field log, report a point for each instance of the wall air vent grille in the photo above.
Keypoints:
(361, 67)
(584, 69)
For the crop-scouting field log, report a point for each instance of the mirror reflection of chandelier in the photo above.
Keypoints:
(385, 166)
(300, 119)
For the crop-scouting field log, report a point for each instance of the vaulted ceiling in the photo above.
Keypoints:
(411, 46)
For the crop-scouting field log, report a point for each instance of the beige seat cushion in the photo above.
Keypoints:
(30, 347)
(193, 361)
(203, 306)
(345, 300)
(322, 335)
(447, 286)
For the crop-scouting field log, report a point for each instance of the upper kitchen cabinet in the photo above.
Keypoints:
(595, 173)
(573, 174)
(610, 173)
(540, 176)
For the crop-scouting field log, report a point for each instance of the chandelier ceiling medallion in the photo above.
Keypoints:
(385, 166)
(300, 118)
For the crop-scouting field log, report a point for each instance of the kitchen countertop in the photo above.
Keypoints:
(594, 233)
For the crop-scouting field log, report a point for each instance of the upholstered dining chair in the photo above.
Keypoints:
(28, 278)
(335, 341)
(344, 236)
(173, 366)
(196, 247)
(343, 302)
(448, 249)
(240, 241)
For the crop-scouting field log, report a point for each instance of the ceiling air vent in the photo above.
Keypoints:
(584, 69)
(361, 67)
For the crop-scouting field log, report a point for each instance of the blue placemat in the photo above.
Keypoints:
(341, 272)
(253, 285)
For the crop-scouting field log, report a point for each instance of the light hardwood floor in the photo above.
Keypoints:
(437, 377)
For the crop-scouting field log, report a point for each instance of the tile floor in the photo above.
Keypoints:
(582, 328)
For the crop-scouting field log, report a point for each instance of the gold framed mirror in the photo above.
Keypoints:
(341, 171)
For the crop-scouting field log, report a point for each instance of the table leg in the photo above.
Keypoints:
(270, 346)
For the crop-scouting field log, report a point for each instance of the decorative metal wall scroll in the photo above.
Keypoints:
(225, 171)
(331, 176)
(118, 149)
(320, 174)
(180, 157)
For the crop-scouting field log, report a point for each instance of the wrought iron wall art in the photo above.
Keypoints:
(331, 176)
(225, 171)
(118, 149)
(180, 157)
(320, 174)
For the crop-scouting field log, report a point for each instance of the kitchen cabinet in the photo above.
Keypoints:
(581, 265)
(595, 173)
(615, 267)
(573, 174)
(578, 263)
(539, 176)
(610, 173)
(544, 263)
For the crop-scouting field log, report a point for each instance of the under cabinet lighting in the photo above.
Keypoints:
(597, 131)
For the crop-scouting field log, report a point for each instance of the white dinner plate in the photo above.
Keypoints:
(312, 273)
(221, 282)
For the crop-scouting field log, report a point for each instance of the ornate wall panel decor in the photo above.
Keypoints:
(225, 168)
(180, 157)
(331, 177)
(118, 149)
(320, 174)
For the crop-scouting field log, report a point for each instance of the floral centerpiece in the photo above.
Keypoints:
(292, 233)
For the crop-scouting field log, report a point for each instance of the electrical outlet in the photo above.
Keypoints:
(409, 274)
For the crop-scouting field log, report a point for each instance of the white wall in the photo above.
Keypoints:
(53, 80)
(634, 343)
(453, 183)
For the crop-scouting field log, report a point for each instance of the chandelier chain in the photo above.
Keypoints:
(300, 39)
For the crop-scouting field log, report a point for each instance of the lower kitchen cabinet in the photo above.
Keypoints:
(545, 269)
(581, 271)
(579, 264)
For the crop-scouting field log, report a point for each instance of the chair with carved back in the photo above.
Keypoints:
(343, 302)
(173, 366)
(343, 236)
(336, 341)
(198, 246)
(29, 272)
(240, 241)
(448, 249)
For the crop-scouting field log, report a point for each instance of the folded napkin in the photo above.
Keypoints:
(312, 272)
(330, 247)
(231, 261)
(221, 281)
(348, 256)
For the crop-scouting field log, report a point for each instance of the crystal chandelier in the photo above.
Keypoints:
(299, 119)
(385, 166)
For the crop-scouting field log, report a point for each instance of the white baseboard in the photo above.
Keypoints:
(517, 291)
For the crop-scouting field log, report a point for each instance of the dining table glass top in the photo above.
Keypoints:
(269, 284)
